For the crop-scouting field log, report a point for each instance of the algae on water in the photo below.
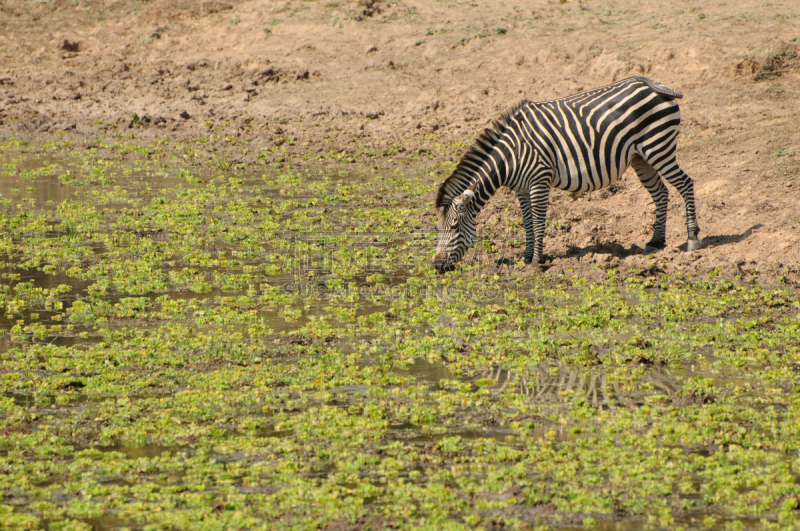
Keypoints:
(187, 348)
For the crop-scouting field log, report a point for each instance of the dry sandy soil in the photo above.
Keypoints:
(347, 76)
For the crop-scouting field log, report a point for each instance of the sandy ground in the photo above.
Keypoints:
(287, 79)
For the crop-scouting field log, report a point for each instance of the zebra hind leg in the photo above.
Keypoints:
(675, 176)
(652, 181)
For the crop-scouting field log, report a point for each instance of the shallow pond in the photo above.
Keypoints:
(273, 350)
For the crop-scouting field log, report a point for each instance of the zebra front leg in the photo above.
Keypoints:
(652, 182)
(685, 186)
(540, 197)
(524, 197)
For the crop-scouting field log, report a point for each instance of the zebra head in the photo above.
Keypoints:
(456, 231)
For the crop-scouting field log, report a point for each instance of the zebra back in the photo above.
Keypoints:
(479, 152)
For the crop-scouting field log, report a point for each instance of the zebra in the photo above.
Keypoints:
(581, 143)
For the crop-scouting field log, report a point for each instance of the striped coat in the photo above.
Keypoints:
(579, 143)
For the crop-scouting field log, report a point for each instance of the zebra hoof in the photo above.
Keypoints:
(654, 246)
(693, 245)
(649, 249)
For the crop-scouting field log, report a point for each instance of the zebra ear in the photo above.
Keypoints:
(468, 196)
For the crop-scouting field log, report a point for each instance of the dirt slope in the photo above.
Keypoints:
(283, 79)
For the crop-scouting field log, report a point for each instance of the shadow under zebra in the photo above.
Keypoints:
(502, 254)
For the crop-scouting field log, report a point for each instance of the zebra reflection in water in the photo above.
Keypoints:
(597, 388)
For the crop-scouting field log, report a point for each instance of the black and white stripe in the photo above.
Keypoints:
(579, 143)
(542, 385)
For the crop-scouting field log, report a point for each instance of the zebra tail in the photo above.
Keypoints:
(660, 88)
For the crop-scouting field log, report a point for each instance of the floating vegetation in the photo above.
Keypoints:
(232, 351)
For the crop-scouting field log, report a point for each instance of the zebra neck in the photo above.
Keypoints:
(484, 190)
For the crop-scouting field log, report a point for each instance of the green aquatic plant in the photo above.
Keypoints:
(184, 347)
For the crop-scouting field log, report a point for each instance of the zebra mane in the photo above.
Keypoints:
(477, 154)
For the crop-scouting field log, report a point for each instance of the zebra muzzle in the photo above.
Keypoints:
(440, 263)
